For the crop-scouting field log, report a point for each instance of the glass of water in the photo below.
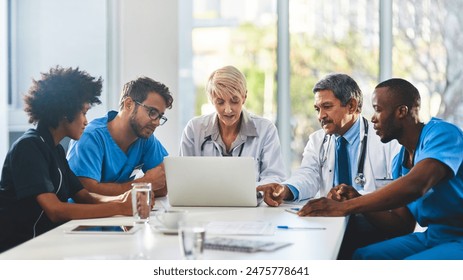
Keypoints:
(141, 202)
(192, 235)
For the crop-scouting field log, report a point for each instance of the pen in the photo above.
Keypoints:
(288, 227)
(293, 210)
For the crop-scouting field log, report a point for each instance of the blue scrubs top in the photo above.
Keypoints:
(98, 157)
(441, 208)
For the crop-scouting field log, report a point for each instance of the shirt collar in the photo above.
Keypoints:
(45, 134)
(247, 129)
(111, 115)
(353, 133)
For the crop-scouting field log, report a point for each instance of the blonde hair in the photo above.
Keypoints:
(226, 81)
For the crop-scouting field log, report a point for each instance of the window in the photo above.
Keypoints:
(45, 33)
(427, 51)
(325, 37)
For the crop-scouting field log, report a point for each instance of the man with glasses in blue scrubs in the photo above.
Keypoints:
(120, 148)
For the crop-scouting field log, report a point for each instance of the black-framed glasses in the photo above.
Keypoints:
(153, 113)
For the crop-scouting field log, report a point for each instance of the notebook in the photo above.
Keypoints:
(242, 245)
(211, 181)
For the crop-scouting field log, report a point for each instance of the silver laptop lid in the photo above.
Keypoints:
(211, 181)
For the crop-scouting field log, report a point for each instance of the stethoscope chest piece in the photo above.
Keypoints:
(360, 179)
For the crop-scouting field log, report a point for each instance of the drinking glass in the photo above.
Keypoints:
(192, 235)
(141, 202)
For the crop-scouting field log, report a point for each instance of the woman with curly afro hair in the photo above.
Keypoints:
(36, 180)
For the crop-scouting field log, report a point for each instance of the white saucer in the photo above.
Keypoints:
(166, 230)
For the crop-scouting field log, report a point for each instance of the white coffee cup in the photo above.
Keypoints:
(170, 218)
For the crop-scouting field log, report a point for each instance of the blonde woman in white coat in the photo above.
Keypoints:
(232, 131)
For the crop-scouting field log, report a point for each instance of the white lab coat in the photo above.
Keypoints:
(315, 176)
(258, 138)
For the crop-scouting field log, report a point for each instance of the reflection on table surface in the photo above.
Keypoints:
(150, 241)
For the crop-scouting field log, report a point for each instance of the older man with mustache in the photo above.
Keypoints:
(345, 150)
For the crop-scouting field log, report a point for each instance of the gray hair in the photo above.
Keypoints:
(343, 87)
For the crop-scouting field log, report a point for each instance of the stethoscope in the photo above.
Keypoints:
(360, 178)
(209, 138)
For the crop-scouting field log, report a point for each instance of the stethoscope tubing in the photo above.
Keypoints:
(209, 138)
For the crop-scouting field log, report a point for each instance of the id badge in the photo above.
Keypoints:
(137, 172)
(382, 182)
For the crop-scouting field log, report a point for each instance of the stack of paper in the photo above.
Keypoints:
(240, 228)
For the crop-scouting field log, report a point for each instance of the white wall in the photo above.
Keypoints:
(118, 40)
(47, 33)
(149, 47)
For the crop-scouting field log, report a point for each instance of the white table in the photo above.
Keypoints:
(149, 243)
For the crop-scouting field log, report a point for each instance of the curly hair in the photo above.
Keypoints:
(138, 90)
(61, 93)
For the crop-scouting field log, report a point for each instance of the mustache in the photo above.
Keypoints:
(151, 127)
(324, 122)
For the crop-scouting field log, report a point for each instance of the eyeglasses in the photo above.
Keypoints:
(153, 113)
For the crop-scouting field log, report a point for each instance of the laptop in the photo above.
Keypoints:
(211, 181)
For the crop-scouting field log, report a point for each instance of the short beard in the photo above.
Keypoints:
(135, 127)
(393, 131)
(386, 140)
